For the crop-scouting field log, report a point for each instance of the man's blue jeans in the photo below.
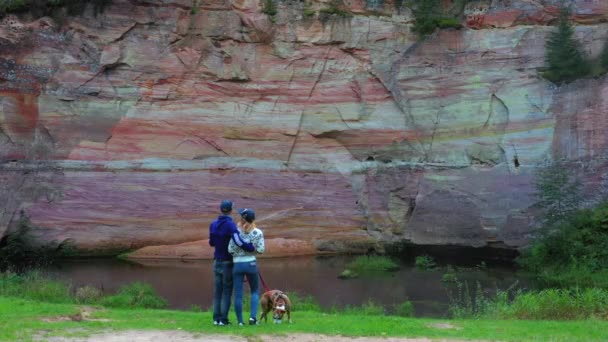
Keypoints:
(249, 270)
(222, 290)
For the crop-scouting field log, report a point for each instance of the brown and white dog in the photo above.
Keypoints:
(277, 302)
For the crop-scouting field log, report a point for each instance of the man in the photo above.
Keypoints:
(220, 232)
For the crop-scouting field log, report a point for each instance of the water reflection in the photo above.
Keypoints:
(185, 284)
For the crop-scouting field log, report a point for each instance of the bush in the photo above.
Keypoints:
(429, 17)
(136, 295)
(365, 265)
(309, 12)
(572, 246)
(425, 262)
(87, 295)
(564, 59)
(405, 309)
(334, 7)
(573, 251)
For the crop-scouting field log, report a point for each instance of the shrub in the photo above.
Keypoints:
(364, 265)
(334, 7)
(87, 295)
(309, 12)
(136, 295)
(428, 17)
(405, 309)
(572, 247)
(579, 245)
(425, 262)
(449, 277)
(565, 61)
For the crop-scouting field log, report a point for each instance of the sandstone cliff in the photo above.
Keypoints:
(126, 129)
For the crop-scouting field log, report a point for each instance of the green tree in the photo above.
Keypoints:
(426, 13)
(269, 8)
(564, 58)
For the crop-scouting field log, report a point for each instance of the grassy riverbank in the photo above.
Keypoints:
(34, 305)
(23, 319)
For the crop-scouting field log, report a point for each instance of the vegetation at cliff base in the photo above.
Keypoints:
(572, 245)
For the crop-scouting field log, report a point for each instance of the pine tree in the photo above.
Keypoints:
(426, 13)
(565, 60)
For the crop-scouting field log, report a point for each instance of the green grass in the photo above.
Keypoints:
(548, 304)
(136, 295)
(38, 287)
(21, 320)
(34, 286)
(372, 265)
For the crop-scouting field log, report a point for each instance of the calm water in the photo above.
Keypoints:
(185, 284)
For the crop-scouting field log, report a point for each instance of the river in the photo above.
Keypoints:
(188, 284)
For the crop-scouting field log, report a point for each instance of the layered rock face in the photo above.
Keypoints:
(126, 129)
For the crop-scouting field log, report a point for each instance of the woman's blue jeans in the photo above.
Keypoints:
(240, 271)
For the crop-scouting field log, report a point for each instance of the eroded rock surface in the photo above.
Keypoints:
(344, 133)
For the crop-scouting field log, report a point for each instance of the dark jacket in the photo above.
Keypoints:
(220, 232)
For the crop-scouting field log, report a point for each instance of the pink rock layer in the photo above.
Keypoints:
(345, 133)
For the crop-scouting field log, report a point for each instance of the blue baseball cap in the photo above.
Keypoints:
(247, 214)
(226, 206)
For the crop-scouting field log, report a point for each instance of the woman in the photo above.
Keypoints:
(245, 264)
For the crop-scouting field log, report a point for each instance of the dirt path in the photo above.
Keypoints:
(180, 336)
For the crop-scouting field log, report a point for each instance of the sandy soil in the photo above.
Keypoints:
(180, 336)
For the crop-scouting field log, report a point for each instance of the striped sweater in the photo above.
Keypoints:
(256, 237)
